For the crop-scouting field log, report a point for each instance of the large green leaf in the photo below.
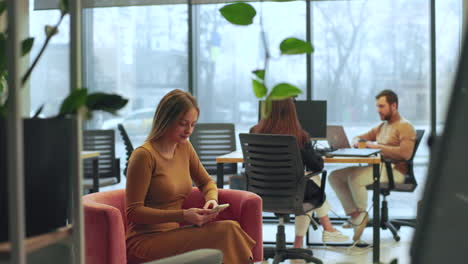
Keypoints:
(2, 7)
(26, 46)
(73, 102)
(3, 83)
(259, 88)
(260, 74)
(291, 46)
(283, 91)
(3, 53)
(238, 13)
(105, 102)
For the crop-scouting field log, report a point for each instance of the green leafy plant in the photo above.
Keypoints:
(243, 14)
(78, 98)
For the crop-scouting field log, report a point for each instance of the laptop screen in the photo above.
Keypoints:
(337, 138)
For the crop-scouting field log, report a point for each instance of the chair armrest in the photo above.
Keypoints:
(200, 256)
(245, 208)
(117, 169)
(103, 223)
(388, 167)
(322, 181)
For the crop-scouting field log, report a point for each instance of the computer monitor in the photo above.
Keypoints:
(312, 115)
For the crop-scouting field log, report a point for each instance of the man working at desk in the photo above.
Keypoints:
(395, 136)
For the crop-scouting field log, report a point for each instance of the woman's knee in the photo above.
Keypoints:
(227, 225)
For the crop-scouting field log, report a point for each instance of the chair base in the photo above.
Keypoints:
(393, 224)
(280, 255)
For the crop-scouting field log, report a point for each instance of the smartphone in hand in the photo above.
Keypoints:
(219, 208)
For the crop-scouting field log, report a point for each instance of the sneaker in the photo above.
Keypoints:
(359, 224)
(335, 236)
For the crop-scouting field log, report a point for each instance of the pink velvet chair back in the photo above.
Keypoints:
(106, 223)
(105, 227)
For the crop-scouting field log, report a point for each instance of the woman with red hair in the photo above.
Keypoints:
(283, 120)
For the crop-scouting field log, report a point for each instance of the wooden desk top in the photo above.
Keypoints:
(233, 157)
(237, 156)
(89, 154)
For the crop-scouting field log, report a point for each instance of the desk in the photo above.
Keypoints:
(237, 156)
(94, 156)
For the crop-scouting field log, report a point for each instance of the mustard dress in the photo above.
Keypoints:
(156, 189)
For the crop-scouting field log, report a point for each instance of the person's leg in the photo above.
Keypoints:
(301, 224)
(330, 234)
(226, 235)
(357, 183)
(338, 180)
(362, 177)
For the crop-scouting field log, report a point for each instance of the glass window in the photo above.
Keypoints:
(448, 41)
(50, 80)
(227, 54)
(139, 52)
(363, 47)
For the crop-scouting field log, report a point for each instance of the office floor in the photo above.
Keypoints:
(330, 254)
(400, 205)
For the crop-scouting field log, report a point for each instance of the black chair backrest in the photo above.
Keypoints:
(274, 171)
(410, 178)
(128, 145)
(213, 140)
(102, 141)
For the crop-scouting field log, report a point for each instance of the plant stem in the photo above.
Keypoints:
(264, 41)
(49, 36)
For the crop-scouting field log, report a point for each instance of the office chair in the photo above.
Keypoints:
(274, 171)
(409, 185)
(128, 145)
(102, 141)
(213, 140)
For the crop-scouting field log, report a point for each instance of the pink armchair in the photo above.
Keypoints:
(106, 223)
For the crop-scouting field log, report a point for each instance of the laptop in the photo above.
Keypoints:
(340, 146)
(337, 138)
(354, 152)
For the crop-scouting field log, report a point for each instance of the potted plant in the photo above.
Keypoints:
(242, 14)
(47, 147)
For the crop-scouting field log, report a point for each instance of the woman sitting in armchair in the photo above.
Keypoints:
(159, 178)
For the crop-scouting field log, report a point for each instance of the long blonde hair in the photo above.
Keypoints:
(170, 108)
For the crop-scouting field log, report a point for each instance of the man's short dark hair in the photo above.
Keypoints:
(390, 95)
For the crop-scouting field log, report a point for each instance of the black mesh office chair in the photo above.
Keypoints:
(409, 185)
(274, 171)
(211, 140)
(102, 141)
(128, 145)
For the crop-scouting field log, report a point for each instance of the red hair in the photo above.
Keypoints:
(283, 121)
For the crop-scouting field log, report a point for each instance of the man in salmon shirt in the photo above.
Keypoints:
(395, 137)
